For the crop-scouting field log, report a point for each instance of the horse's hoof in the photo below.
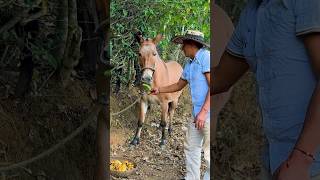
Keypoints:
(170, 131)
(162, 147)
(135, 141)
(163, 143)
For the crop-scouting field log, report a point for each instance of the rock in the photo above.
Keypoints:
(155, 125)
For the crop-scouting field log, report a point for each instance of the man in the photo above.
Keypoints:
(279, 41)
(197, 73)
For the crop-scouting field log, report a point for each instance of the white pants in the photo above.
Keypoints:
(194, 141)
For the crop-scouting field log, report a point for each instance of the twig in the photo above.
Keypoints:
(45, 82)
(13, 21)
(42, 12)
(6, 3)
(4, 53)
(128, 107)
(28, 6)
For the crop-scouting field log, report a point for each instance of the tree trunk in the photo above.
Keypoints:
(72, 51)
(103, 93)
(62, 31)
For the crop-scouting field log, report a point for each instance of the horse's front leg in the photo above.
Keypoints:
(163, 123)
(142, 115)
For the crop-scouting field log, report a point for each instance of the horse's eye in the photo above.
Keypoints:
(154, 54)
(140, 54)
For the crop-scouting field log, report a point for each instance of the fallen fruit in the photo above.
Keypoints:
(116, 165)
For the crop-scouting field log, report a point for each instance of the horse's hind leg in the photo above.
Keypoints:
(163, 123)
(172, 106)
(142, 116)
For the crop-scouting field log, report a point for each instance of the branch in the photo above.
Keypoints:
(42, 12)
(6, 3)
(12, 22)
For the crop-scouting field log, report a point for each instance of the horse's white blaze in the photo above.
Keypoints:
(147, 73)
(147, 52)
(146, 49)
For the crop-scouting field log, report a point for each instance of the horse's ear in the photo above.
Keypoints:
(158, 38)
(138, 36)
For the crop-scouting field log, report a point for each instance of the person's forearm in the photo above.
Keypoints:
(218, 86)
(206, 105)
(171, 88)
(309, 139)
(227, 73)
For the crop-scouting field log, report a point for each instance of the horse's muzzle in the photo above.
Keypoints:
(146, 79)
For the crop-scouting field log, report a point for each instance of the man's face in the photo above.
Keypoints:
(186, 49)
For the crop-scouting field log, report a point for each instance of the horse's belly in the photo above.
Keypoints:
(151, 99)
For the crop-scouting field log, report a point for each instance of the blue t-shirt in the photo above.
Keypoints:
(193, 72)
(267, 36)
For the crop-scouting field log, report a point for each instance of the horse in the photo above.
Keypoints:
(156, 73)
(223, 30)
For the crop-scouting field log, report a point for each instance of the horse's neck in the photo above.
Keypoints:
(160, 74)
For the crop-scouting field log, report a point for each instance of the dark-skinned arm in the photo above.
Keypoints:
(202, 115)
(171, 88)
(299, 163)
(206, 105)
(309, 139)
(228, 72)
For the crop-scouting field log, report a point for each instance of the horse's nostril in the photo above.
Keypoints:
(147, 79)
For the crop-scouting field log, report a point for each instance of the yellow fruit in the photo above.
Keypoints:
(116, 165)
(122, 168)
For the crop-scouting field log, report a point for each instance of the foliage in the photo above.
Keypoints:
(233, 8)
(166, 17)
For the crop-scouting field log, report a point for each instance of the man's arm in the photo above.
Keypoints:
(173, 87)
(298, 164)
(202, 115)
(309, 139)
(206, 105)
(228, 72)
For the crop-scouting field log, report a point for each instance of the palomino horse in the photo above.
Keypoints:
(223, 29)
(157, 73)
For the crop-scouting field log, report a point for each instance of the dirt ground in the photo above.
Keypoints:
(239, 135)
(152, 161)
(30, 126)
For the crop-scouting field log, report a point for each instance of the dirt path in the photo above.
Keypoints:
(153, 162)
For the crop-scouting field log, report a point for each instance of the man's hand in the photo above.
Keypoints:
(295, 168)
(169, 89)
(200, 120)
(155, 91)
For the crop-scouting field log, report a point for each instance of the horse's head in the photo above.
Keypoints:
(148, 57)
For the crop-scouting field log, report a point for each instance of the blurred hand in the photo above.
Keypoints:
(296, 167)
(200, 120)
(154, 91)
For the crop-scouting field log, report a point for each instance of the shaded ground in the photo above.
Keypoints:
(153, 163)
(30, 126)
(239, 135)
